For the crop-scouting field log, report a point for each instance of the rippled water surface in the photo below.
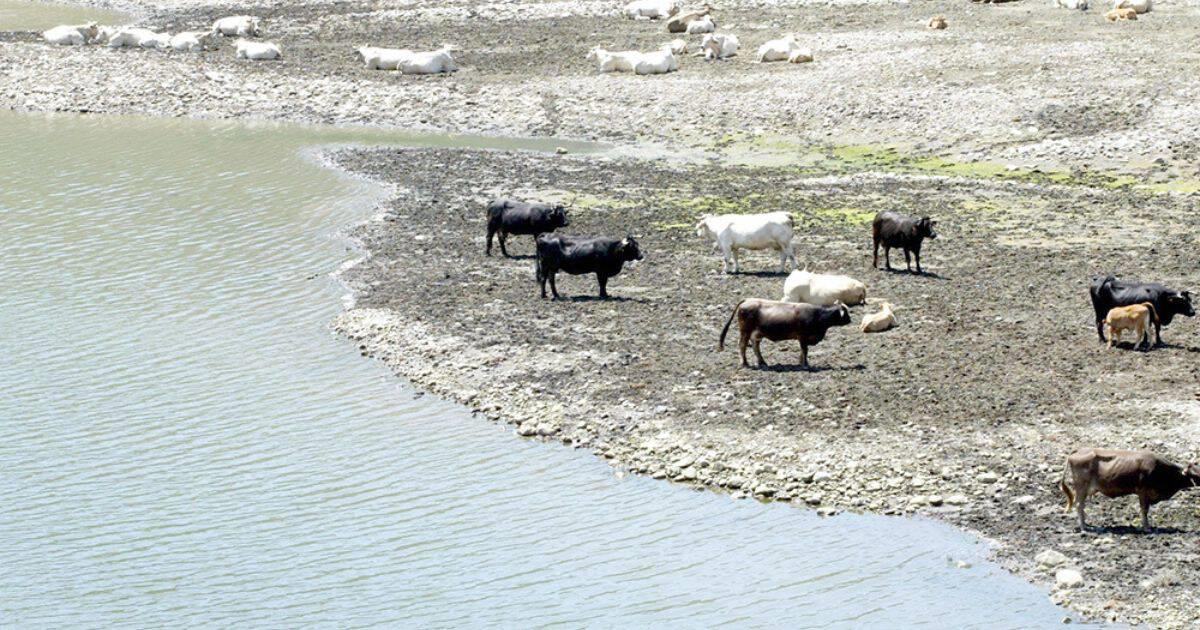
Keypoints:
(33, 15)
(184, 443)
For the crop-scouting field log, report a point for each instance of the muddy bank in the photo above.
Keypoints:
(1014, 83)
(964, 412)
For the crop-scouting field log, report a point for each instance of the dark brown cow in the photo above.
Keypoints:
(1118, 473)
(778, 321)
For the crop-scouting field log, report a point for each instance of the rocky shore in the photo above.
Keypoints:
(1041, 157)
(964, 413)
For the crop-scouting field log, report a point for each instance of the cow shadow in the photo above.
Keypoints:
(1174, 346)
(796, 367)
(1132, 530)
(596, 298)
(760, 274)
(519, 257)
(932, 275)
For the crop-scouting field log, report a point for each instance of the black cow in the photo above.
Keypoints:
(579, 254)
(778, 321)
(508, 216)
(1108, 292)
(892, 229)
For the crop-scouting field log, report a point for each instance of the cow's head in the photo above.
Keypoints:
(925, 228)
(558, 216)
(594, 54)
(843, 314)
(255, 27)
(702, 229)
(1181, 302)
(1192, 472)
(628, 249)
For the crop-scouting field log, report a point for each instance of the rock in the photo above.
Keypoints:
(1166, 577)
(1068, 578)
(560, 150)
(1024, 499)
(820, 476)
(935, 500)
(813, 499)
(687, 474)
(684, 462)
(527, 430)
(826, 511)
(987, 477)
(962, 564)
(1050, 559)
(956, 499)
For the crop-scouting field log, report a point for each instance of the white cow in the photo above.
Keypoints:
(701, 26)
(1139, 6)
(105, 33)
(431, 62)
(384, 58)
(238, 26)
(678, 46)
(72, 35)
(879, 322)
(651, 9)
(778, 49)
(800, 55)
(823, 289)
(719, 46)
(155, 41)
(660, 61)
(133, 36)
(731, 232)
(257, 51)
(1081, 5)
(610, 61)
(191, 41)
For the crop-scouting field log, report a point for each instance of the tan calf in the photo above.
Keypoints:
(1135, 317)
(1120, 14)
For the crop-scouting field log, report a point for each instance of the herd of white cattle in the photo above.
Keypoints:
(240, 26)
(774, 231)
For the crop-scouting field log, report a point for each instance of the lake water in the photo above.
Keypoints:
(183, 442)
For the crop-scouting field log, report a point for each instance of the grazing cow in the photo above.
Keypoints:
(822, 289)
(509, 216)
(892, 229)
(579, 255)
(651, 9)
(257, 51)
(719, 46)
(778, 49)
(702, 26)
(679, 23)
(1135, 317)
(238, 26)
(1116, 473)
(779, 321)
(1138, 6)
(1107, 292)
(72, 35)
(1121, 14)
(881, 321)
(731, 232)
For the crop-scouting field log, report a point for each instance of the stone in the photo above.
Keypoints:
(935, 500)
(1024, 499)
(527, 430)
(987, 477)
(956, 499)
(1049, 559)
(1068, 578)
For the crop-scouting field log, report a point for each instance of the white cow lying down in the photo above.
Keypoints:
(383, 58)
(1139, 6)
(879, 322)
(431, 62)
(659, 61)
(778, 49)
(701, 26)
(823, 289)
(731, 232)
(257, 51)
(132, 37)
(192, 41)
(719, 46)
(72, 35)
(238, 26)
(651, 9)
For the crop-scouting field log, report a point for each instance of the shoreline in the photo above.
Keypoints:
(665, 441)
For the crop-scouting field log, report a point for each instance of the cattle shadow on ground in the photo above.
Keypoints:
(519, 257)
(796, 367)
(596, 298)
(1131, 530)
(932, 275)
(761, 274)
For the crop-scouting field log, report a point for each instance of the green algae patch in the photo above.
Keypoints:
(1174, 186)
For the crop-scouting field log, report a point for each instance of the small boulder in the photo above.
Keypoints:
(1068, 578)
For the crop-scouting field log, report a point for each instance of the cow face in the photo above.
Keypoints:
(558, 216)
(925, 228)
(1192, 472)
(629, 249)
(1181, 303)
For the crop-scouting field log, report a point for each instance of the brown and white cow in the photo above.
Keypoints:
(779, 321)
(1115, 473)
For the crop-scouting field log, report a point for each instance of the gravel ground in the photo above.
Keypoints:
(964, 412)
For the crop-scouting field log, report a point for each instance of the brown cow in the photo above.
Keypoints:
(1135, 317)
(1120, 14)
(778, 321)
(1116, 473)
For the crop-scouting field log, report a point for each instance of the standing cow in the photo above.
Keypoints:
(778, 321)
(1108, 292)
(892, 229)
(577, 255)
(731, 232)
(508, 216)
(1116, 473)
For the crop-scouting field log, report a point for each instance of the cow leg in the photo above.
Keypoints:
(553, 287)
(1100, 327)
(887, 257)
(1158, 334)
(503, 242)
(734, 250)
(541, 278)
(875, 255)
(603, 285)
(742, 343)
(803, 355)
(725, 259)
(1080, 499)
(1111, 333)
(791, 253)
(757, 340)
(907, 260)
(1144, 503)
(917, 257)
(491, 233)
(1144, 336)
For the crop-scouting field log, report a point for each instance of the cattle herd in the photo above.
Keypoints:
(813, 303)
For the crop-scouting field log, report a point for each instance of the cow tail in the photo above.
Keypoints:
(721, 342)
(1153, 311)
(1066, 490)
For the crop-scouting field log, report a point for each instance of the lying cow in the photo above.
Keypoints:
(577, 255)
(892, 229)
(651, 9)
(1138, 6)
(509, 216)
(238, 26)
(1118, 473)
(383, 58)
(1135, 317)
(778, 49)
(779, 321)
(731, 232)
(257, 51)
(885, 319)
(823, 289)
(1121, 14)
(192, 41)
(719, 46)
(1108, 292)
(679, 23)
(72, 35)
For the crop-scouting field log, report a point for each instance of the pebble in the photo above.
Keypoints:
(1068, 578)
(1049, 559)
